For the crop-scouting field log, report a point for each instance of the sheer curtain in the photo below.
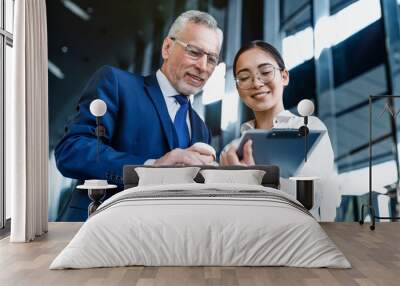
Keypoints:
(27, 123)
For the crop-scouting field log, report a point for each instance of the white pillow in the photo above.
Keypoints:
(248, 177)
(164, 176)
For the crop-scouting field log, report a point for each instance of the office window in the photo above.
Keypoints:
(298, 50)
(7, 89)
(6, 43)
(355, 75)
(9, 18)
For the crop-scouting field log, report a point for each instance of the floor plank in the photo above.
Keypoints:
(374, 255)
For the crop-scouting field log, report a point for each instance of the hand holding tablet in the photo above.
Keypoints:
(229, 156)
(281, 147)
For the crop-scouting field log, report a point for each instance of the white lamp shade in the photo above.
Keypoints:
(305, 107)
(98, 107)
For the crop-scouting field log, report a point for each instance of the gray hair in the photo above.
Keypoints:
(196, 17)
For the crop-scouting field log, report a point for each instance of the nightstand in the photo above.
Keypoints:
(96, 193)
(305, 190)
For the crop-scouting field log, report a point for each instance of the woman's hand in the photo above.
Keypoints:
(230, 157)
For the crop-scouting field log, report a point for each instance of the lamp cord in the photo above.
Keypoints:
(305, 138)
(305, 146)
(98, 138)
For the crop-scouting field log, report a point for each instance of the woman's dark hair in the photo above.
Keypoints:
(264, 46)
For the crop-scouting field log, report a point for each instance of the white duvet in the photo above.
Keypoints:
(185, 230)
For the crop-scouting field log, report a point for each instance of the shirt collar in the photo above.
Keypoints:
(285, 113)
(166, 87)
(251, 123)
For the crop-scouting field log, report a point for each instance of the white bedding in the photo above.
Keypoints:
(181, 230)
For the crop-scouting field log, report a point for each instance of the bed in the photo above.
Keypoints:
(201, 224)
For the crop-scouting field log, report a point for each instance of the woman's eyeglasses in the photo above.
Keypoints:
(265, 74)
(197, 53)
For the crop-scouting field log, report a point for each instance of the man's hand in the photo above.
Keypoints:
(230, 157)
(203, 149)
(189, 156)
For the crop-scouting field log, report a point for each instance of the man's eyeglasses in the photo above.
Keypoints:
(197, 53)
(266, 74)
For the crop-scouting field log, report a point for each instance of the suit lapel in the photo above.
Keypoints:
(154, 92)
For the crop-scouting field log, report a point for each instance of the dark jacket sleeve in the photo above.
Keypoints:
(76, 153)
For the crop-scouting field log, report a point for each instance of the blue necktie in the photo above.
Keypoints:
(181, 127)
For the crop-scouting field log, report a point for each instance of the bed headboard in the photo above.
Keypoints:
(270, 179)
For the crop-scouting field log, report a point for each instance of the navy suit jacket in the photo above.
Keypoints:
(137, 124)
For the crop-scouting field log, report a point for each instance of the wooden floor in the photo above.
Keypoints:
(374, 255)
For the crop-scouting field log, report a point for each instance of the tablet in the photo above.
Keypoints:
(282, 147)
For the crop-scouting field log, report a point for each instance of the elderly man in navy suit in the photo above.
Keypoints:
(149, 119)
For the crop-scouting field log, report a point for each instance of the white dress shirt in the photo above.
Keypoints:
(320, 163)
(168, 91)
